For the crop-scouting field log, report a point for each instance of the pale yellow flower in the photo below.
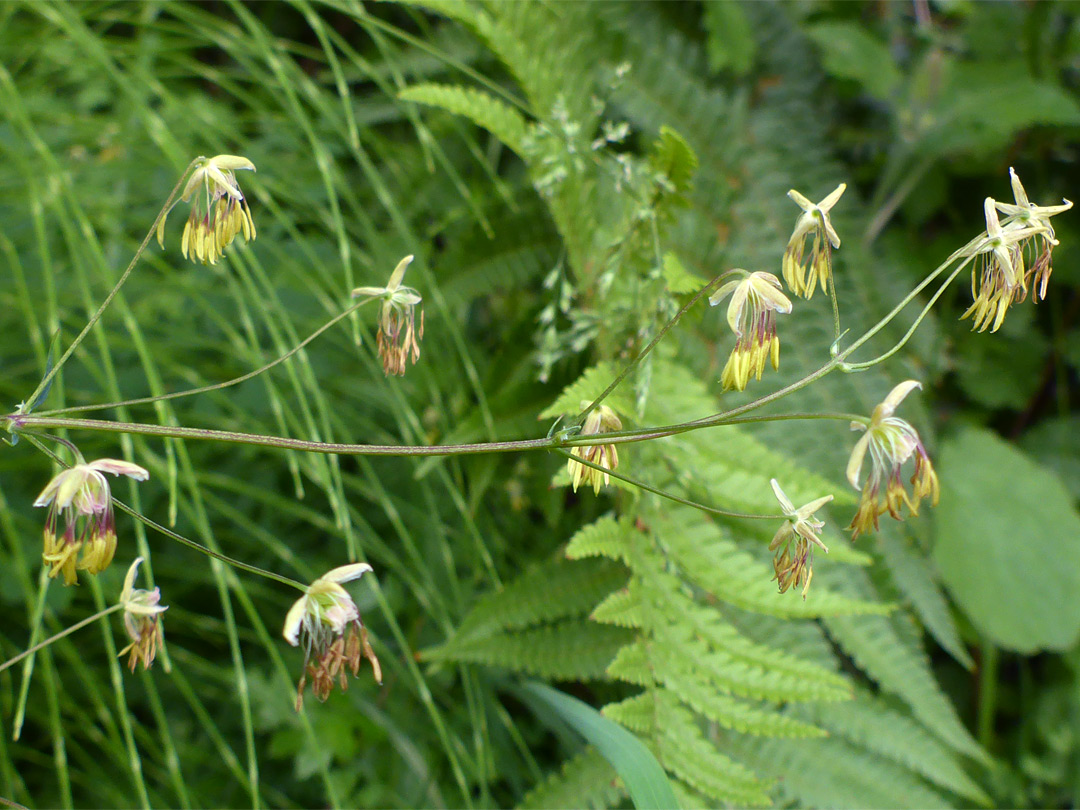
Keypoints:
(801, 274)
(219, 210)
(600, 420)
(399, 338)
(890, 441)
(142, 620)
(794, 541)
(998, 278)
(1036, 220)
(326, 623)
(754, 300)
(81, 494)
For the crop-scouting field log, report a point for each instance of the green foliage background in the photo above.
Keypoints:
(565, 173)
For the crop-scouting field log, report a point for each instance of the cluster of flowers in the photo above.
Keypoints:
(1012, 254)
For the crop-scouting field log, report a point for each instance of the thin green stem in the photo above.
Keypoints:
(832, 297)
(116, 289)
(215, 386)
(123, 507)
(657, 491)
(67, 631)
(911, 331)
(651, 345)
(179, 538)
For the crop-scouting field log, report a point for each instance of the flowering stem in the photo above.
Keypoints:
(657, 491)
(123, 507)
(914, 326)
(67, 631)
(652, 344)
(832, 296)
(216, 386)
(112, 293)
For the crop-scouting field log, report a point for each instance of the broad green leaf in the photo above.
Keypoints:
(1008, 543)
(642, 775)
(849, 52)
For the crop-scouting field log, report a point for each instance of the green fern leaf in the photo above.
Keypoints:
(497, 117)
(554, 590)
(620, 608)
(732, 713)
(878, 650)
(637, 713)
(588, 387)
(585, 780)
(605, 537)
(917, 581)
(569, 650)
(869, 723)
(687, 754)
(633, 665)
(673, 157)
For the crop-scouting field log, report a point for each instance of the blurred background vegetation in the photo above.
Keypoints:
(565, 173)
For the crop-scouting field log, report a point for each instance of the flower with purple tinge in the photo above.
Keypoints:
(1036, 220)
(890, 441)
(601, 419)
(219, 210)
(81, 494)
(142, 620)
(399, 338)
(754, 300)
(326, 623)
(794, 541)
(803, 275)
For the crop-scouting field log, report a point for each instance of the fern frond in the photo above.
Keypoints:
(875, 646)
(869, 723)
(637, 713)
(673, 158)
(686, 753)
(633, 664)
(831, 772)
(569, 650)
(620, 608)
(588, 387)
(719, 566)
(585, 780)
(484, 110)
(733, 713)
(605, 537)
(555, 590)
(916, 579)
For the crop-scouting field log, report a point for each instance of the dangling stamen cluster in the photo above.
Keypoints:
(600, 420)
(399, 337)
(1033, 220)
(890, 441)
(801, 274)
(754, 300)
(142, 620)
(794, 542)
(219, 210)
(327, 624)
(81, 495)
(998, 278)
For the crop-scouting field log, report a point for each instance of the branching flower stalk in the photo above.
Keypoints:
(325, 619)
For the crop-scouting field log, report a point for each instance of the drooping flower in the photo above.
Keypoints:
(1036, 220)
(398, 338)
(998, 278)
(327, 624)
(219, 210)
(142, 620)
(793, 543)
(801, 274)
(754, 300)
(600, 420)
(890, 442)
(81, 493)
